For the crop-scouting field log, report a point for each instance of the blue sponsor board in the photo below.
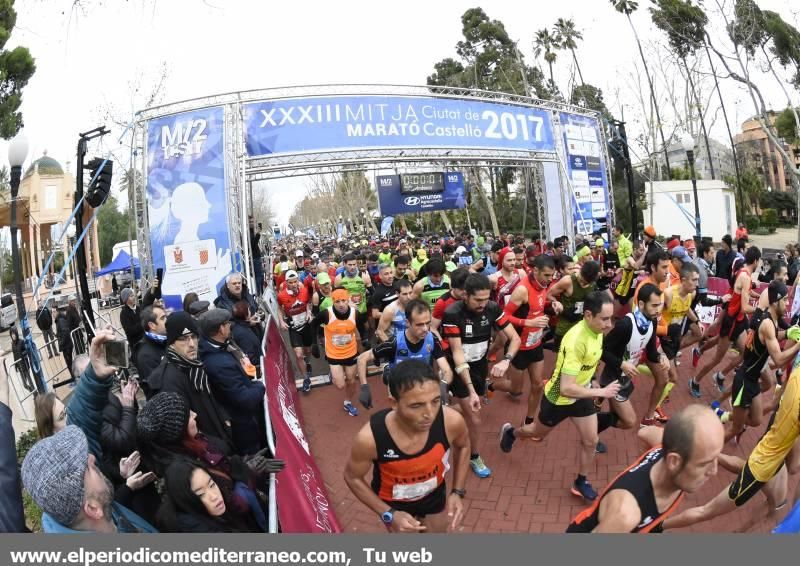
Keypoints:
(323, 123)
(392, 201)
(586, 163)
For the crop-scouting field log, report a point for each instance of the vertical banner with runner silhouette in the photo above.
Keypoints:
(186, 204)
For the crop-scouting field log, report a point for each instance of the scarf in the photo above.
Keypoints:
(195, 369)
(157, 338)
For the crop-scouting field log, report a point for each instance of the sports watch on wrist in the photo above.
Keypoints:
(462, 493)
(508, 357)
(387, 516)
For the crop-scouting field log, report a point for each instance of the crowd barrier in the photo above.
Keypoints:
(20, 372)
(302, 501)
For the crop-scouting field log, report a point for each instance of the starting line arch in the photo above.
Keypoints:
(197, 157)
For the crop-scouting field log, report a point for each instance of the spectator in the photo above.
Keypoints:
(147, 353)
(130, 315)
(64, 338)
(742, 237)
(234, 291)
(243, 334)
(625, 246)
(181, 372)
(198, 307)
(134, 489)
(12, 518)
(255, 252)
(792, 262)
(188, 299)
(61, 475)
(44, 320)
(241, 397)
(21, 359)
(724, 259)
(199, 501)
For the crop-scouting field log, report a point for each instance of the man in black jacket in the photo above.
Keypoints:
(64, 338)
(181, 372)
(130, 315)
(725, 258)
(44, 320)
(147, 353)
(12, 518)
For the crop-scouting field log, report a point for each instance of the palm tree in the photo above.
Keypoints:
(545, 43)
(627, 7)
(566, 36)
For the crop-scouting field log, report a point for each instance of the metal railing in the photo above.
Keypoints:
(52, 369)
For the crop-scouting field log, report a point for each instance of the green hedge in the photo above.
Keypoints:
(752, 223)
(769, 217)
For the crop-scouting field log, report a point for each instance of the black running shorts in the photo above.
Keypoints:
(551, 415)
(732, 328)
(525, 358)
(744, 389)
(478, 372)
(302, 338)
(744, 486)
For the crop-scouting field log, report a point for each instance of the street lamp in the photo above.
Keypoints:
(687, 141)
(17, 152)
(363, 218)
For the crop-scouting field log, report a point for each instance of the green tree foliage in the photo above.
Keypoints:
(545, 45)
(787, 127)
(567, 36)
(589, 96)
(16, 69)
(751, 190)
(488, 59)
(112, 228)
(769, 217)
(683, 22)
(777, 201)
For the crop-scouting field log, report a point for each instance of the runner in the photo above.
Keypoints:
(456, 293)
(434, 284)
(384, 292)
(703, 261)
(402, 269)
(321, 299)
(568, 394)
(408, 447)
(733, 329)
(632, 341)
(571, 292)
(763, 465)
(414, 342)
(294, 303)
(656, 264)
(503, 283)
(529, 312)
(468, 327)
(639, 500)
(341, 344)
(393, 318)
(357, 283)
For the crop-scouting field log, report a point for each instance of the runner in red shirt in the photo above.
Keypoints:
(456, 293)
(295, 304)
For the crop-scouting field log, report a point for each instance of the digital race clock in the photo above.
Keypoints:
(421, 183)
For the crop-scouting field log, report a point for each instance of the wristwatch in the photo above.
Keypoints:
(462, 493)
(387, 516)
(508, 357)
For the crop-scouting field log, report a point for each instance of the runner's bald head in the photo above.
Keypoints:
(688, 428)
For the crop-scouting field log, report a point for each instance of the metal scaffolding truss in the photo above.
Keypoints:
(279, 93)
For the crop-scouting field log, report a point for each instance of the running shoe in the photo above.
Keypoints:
(661, 416)
(583, 489)
(694, 389)
(507, 437)
(480, 469)
(679, 354)
(648, 421)
(719, 379)
(696, 357)
(718, 410)
(306, 384)
(600, 447)
(350, 409)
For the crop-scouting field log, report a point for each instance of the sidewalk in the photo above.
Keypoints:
(776, 241)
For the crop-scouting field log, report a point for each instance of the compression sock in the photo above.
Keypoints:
(664, 394)
(606, 420)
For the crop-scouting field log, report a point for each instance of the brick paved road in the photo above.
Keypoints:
(529, 488)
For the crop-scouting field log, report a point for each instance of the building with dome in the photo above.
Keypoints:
(45, 203)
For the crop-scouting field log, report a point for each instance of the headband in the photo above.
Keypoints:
(502, 254)
(340, 295)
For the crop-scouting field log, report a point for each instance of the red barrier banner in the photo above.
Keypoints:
(303, 504)
(718, 287)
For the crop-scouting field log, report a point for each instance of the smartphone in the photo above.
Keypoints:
(117, 353)
(160, 275)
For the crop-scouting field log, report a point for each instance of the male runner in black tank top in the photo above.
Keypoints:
(409, 449)
(682, 456)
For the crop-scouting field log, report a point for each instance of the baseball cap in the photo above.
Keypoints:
(689, 244)
(680, 253)
(291, 274)
(461, 250)
(599, 242)
(650, 231)
(402, 241)
(315, 255)
(323, 279)
(298, 253)
(776, 291)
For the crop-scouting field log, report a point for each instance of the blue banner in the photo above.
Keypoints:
(386, 225)
(392, 201)
(349, 122)
(186, 204)
(586, 169)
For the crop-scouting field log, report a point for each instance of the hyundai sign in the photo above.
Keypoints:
(393, 201)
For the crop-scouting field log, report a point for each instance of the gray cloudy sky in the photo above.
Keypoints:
(88, 56)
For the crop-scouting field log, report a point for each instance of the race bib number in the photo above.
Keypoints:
(579, 307)
(414, 491)
(299, 319)
(533, 338)
(475, 352)
(341, 339)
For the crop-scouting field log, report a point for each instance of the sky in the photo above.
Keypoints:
(99, 56)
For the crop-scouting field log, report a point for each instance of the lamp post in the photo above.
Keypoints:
(17, 152)
(363, 218)
(688, 146)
